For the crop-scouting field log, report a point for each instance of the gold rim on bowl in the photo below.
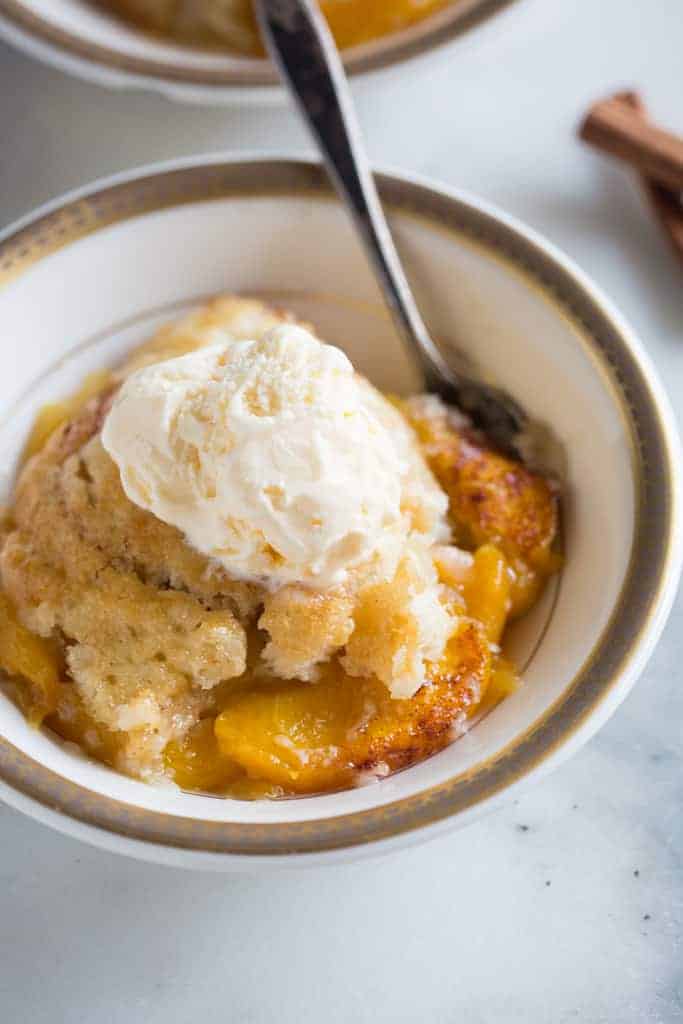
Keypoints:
(655, 554)
(435, 30)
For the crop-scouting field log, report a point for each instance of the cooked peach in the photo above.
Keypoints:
(196, 761)
(31, 657)
(487, 590)
(310, 737)
(293, 734)
(504, 681)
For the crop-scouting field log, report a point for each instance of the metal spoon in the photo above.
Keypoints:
(303, 49)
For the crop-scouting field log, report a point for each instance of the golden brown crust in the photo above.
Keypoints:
(406, 731)
(493, 499)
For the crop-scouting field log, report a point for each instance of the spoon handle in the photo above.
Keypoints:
(303, 48)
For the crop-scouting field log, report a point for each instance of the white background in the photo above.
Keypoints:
(566, 906)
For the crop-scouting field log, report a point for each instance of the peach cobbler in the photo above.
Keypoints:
(230, 24)
(233, 564)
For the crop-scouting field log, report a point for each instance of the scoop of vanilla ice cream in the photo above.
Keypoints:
(268, 455)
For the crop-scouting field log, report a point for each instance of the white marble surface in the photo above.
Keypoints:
(567, 906)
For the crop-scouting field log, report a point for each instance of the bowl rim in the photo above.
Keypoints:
(25, 27)
(627, 640)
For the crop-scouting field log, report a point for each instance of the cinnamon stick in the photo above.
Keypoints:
(616, 128)
(669, 210)
(665, 202)
(628, 109)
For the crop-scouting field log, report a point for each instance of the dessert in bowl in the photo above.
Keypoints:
(164, 242)
(231, 25)
(239, 568)
(207, 51)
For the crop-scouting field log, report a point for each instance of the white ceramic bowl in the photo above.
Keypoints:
(87, 276)
(85, 41)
